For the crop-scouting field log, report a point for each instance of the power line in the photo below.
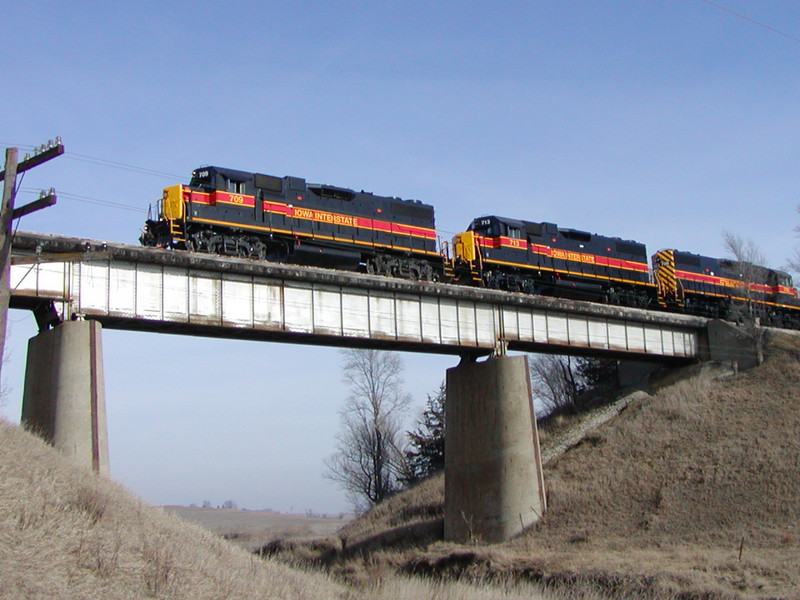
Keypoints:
(90, 200)
(104, 162)
(118, 165)
(751, 20)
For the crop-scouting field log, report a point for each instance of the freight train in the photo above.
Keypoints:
(284, 219)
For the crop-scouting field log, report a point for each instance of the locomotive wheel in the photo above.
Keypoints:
(201, 241)
(259, 250)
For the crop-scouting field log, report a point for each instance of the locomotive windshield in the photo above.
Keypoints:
(784, 278)
(494, 227)
(486, 227)
(201, 178)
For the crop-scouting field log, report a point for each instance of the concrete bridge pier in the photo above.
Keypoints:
(64, 397)
(494, 485)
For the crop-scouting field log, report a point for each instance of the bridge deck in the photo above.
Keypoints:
(131, 287)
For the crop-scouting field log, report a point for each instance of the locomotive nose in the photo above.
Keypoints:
(172, 203)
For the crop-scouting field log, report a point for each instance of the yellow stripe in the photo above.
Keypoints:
(603, 277)
(314, 236)
(765, 303)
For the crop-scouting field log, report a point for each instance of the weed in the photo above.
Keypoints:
(90, 501)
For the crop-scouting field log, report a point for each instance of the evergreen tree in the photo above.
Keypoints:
(599, 373)
(426, 453)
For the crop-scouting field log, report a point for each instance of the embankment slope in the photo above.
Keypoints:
(65, 533)
(695, 491)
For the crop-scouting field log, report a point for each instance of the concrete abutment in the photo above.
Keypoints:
(64, 397)
(494, 484)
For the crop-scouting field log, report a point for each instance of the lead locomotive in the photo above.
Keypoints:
(234, 213)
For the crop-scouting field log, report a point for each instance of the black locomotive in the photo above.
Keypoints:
(722, 288)
(542, 258)
(236, 213)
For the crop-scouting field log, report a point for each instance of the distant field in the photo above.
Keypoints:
(253, 528)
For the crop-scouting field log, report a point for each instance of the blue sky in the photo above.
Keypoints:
(666, 122)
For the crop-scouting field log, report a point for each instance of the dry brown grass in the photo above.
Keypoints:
(691, 493)
(65, 533)
(680, 483)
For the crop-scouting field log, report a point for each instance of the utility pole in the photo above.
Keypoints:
(8, 213)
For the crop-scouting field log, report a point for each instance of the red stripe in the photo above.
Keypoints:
(198, 197)
(592, 259)
(280, 209)
(312, 214)
(235, 199)
(220, 196)
(764, 289)
(400, 229)
(730, 283)
(622, 264)
(699, 277)
(321, 216)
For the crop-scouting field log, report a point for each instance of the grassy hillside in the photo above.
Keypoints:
(65, 533)
(693, 492)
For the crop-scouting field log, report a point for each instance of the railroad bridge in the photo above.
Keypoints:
(76, 287)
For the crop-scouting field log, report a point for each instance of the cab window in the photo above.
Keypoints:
(235, 187)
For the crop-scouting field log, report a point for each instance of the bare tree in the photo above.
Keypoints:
(369, 461)
(794, 261)
(555, 382)
(745, 253)
(747, 264)
(572, 384)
